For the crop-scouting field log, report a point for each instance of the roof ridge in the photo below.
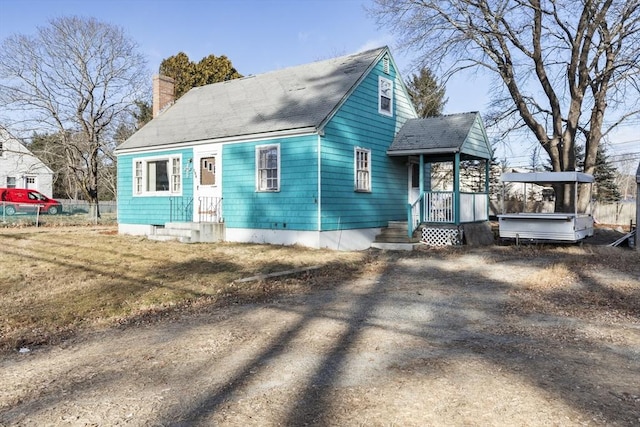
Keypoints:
(458, 114)
(291, 67)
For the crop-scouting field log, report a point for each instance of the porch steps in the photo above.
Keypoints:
(189, 232)
(395, 237)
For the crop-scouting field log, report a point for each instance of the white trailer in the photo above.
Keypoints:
(547, 226)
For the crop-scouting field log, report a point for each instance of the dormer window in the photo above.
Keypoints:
(385, 96)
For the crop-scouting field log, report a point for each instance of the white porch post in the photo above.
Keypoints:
(456, 189)
(487, 177)
(421, 187)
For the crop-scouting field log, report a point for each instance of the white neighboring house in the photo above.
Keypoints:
(20, 168)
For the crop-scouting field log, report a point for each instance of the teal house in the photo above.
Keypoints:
(301, 155)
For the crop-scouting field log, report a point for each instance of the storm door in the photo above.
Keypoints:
(207, 201)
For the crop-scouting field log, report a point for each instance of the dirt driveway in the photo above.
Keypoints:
(438, 337)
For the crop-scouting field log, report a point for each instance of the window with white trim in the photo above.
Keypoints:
(157, 176)
(137, 178)
(176, 176)
(362, 169)
(268, 168)
(385, 96)
(11, 182)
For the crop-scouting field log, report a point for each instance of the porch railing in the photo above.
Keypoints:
(210, 209)
(414, 214)
(439, 207)
(180, 209)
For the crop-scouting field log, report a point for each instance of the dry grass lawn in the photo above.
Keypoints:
(56, 281)
(165, 334)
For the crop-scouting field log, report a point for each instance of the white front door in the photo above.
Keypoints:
(207, 201)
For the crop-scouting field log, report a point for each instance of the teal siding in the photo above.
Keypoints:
(358, 124)
(151, 209)
(404, 107)
(294, 207)
(476, 143)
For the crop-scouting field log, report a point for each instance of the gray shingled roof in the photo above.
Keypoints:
(433, 135)
(288, 99)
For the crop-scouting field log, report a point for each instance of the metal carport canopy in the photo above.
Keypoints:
(547, 177)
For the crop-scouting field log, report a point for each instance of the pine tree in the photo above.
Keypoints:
(188, 74)
(606, 189)
(426, 93)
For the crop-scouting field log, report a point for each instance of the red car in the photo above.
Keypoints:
(14, 200)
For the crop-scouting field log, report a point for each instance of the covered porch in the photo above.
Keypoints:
(449, 160)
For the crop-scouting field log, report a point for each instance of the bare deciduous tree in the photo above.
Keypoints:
(77, 78)
(561, 64)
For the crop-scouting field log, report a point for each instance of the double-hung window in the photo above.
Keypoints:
(385, 96)
(137, 177)
(157, 176)
(176, 176)
(268, 168)
(362, 169)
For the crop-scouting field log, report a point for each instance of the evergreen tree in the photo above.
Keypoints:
(144, 113)
(606, 189)
(426, 93)
(188, 74)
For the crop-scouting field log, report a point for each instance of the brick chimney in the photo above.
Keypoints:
(163, 93)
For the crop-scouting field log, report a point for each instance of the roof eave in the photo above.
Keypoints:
(423, 151)
(384, 50)
(309, 130)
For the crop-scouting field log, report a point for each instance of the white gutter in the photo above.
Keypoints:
(423, 151)
(310, 130)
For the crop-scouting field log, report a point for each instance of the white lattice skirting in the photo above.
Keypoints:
(441, 236)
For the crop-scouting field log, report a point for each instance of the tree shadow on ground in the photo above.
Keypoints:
(468, 318)
(450, 309)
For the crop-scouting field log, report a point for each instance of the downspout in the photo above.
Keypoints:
(319, 192)
(456, 189)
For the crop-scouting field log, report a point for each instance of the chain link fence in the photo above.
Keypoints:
(74, 212)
